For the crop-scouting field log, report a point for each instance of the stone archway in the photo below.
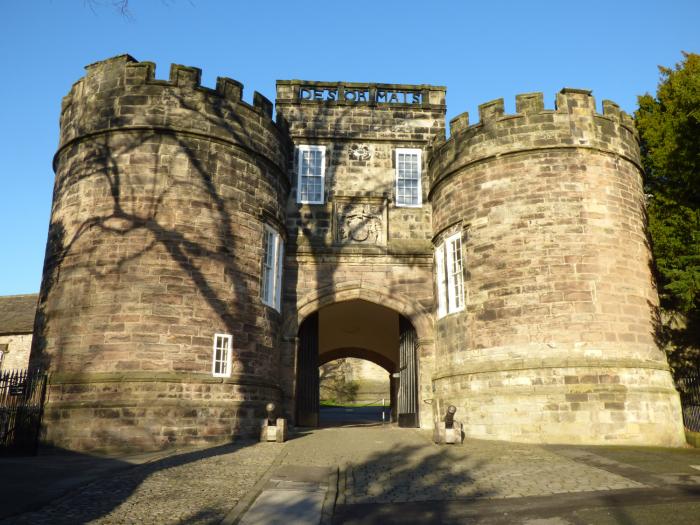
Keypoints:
(421, 318)
(306, 305)
(356, 327)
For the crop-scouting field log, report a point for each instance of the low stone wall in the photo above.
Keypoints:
(125, 412)
(566, 402)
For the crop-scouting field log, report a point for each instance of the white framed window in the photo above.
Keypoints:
(449, 270)
(455, 273)
(311, 172)
(441, 280)
(408, 177)
(273, 259)
(221, 363)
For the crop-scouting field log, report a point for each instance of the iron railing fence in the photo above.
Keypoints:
(22, 394)
(689, 389)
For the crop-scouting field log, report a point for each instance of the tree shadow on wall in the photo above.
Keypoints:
(313, 228)
(140, 181)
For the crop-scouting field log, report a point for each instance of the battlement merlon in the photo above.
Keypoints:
(573, 123)
(124, 71)
(121, 94)
(571, 101)
(380, 96)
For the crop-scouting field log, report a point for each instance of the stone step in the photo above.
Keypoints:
(293, 495)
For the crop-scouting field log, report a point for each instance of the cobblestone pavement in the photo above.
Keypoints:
(196, 487)
(398, 465)
(387, 466)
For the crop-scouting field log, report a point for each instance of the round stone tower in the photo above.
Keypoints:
(556, 339)
(164, 191)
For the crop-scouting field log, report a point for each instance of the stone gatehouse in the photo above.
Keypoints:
(203, 259)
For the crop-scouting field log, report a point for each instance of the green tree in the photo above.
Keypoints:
(669, 127)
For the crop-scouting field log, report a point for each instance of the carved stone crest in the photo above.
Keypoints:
(360, 221)
(400, 128)
(360, 152)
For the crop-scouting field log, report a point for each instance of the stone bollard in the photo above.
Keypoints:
(273, 429)
(448, 431)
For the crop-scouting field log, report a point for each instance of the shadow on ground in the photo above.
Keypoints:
(61, 486)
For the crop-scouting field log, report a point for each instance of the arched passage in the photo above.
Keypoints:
(357, 328)
(359, 353)
(420, 318)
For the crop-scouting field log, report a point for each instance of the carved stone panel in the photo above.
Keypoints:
(360, 152)
(360, 220)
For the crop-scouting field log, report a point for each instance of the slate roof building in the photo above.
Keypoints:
(204, 258)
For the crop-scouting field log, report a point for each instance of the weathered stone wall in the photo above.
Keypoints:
(400, 282)
(15, 351)
(162, 192)
(361, 139)
(155, 244)
(557, 341)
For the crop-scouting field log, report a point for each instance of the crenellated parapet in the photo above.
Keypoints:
(121, 93)
(574, 123)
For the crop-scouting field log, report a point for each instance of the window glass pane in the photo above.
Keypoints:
(311, 167)
(455, 275)
(441, 282)
(267, 265)
(271, 285)
(408, 178)
(222, 355)
(278, 273)
(267, 288)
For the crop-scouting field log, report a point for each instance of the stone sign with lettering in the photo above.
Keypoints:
(379, 96)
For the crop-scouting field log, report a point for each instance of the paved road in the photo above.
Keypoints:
(349, 416)
(386, 475)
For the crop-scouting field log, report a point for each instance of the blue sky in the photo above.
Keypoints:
(479, 50)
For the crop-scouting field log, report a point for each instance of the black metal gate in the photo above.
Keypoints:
(408, 377)
(22, 394)
(307, 373)
(689, 388)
